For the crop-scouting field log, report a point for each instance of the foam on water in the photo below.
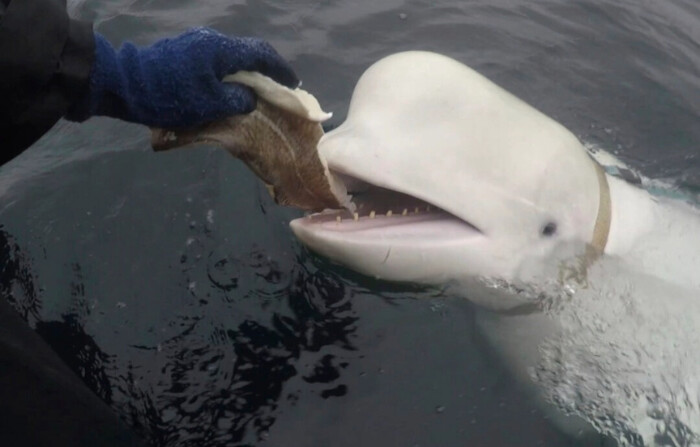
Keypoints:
(627, 358)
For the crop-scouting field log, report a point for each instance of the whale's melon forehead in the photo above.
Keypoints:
(414, 106)
(402, 78)
(427, 87)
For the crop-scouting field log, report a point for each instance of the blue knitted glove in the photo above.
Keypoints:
(177, 82)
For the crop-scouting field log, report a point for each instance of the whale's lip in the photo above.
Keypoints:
(433, 227)
(387, 215)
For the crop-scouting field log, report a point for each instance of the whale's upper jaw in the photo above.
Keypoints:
(384, 216)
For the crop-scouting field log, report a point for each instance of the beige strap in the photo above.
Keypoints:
(602, 223)
(601, 230)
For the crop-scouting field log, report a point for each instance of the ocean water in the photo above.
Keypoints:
(171, 283)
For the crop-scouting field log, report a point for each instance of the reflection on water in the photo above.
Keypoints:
(171, 283)
(226, 389)
(17, 283)
(215, 369)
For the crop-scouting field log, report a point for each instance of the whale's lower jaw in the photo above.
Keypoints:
(395, 248)
(389, 234)
(419, 229)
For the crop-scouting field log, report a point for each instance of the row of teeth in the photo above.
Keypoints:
(373, 214)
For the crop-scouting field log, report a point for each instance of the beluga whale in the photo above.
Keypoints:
(456, 182)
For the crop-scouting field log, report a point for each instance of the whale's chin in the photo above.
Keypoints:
(385, 217)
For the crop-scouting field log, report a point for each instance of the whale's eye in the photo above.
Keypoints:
(549, 229)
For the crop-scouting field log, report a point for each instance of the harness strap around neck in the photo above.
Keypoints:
(602, 223)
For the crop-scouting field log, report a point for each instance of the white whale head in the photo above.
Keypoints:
(495, 183)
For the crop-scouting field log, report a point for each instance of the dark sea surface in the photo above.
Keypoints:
(172, 284)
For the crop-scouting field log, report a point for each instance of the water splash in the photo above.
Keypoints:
(626, 358)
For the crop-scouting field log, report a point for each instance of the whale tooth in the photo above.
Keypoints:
(355, 217)
(372, 214)
(389, 213)
(405, 212)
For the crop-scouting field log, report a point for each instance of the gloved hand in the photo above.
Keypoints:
(177, 82)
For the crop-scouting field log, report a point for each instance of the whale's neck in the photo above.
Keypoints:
(632, 216)
(657, 236)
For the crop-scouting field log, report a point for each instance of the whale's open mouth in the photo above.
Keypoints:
(388, 214)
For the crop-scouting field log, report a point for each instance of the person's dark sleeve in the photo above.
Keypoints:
(45, 62)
